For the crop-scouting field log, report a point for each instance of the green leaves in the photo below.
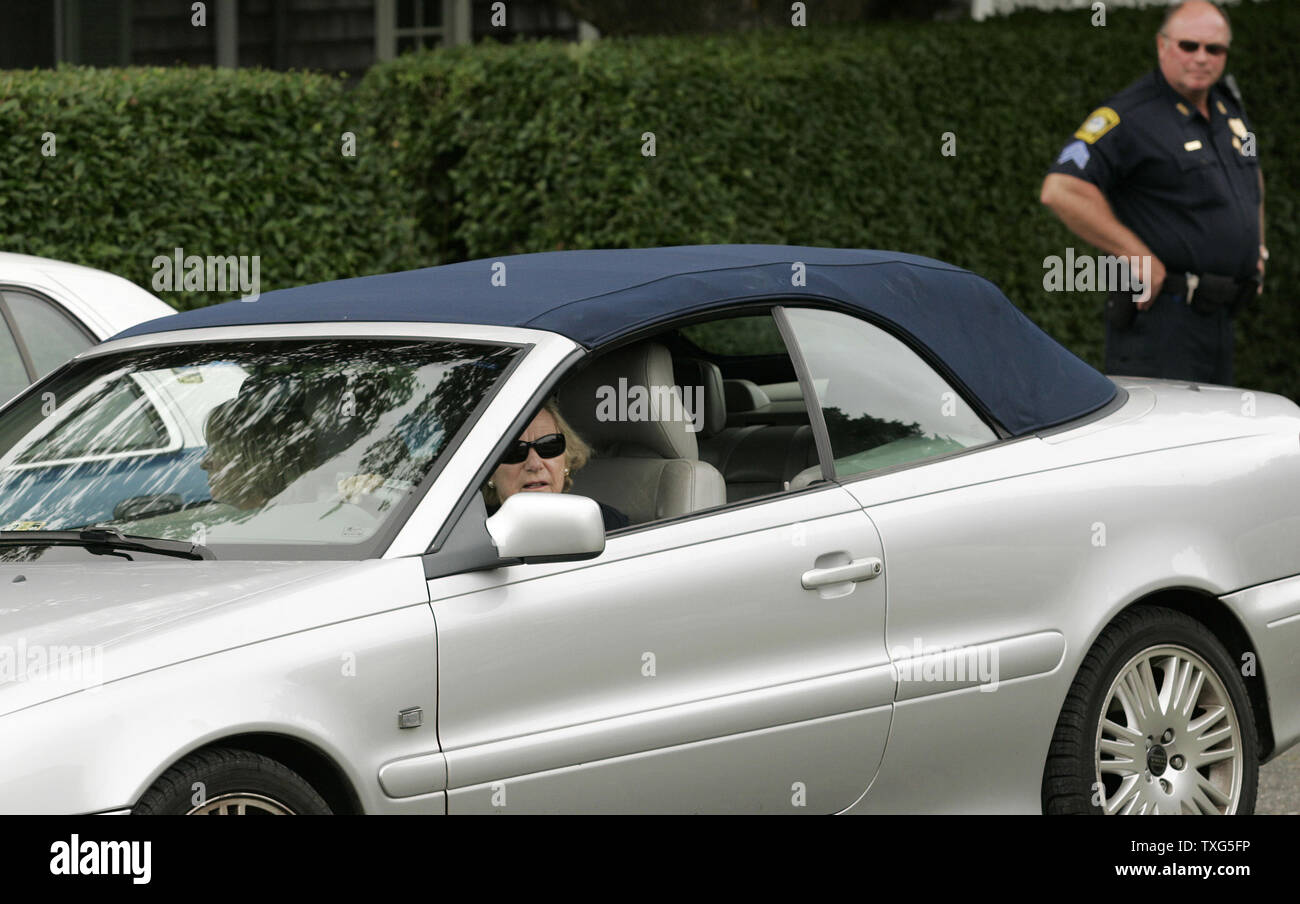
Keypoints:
(811, 136)
(215, 162)
(816, 136)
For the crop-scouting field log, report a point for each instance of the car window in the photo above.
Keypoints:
(13, 375)
(882, 403)
(116, 418)
(50, 335)
(737, 336)
(304, 448)
(703, 410)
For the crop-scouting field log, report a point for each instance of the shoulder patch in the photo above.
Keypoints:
(1077, 152)
(1098, 123)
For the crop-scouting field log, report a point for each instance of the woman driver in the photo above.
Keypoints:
(543, 460)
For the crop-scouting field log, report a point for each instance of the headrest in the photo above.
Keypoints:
(744, 395)
(263, 403)
(342, 408)
(700, 382)
(626, 404)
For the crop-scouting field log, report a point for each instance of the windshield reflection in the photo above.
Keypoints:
(250, 446)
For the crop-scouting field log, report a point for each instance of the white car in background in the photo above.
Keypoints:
(51, 310)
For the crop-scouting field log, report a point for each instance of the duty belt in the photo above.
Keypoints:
(1206, 293)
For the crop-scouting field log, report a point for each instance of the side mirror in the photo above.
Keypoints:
(548, 527)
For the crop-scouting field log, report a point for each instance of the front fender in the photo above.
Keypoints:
(338, 688)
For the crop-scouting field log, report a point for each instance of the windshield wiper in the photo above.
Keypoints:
(104, 539)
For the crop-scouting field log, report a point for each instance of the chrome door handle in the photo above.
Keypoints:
(857, 570)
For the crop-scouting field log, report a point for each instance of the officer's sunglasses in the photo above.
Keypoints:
(548, 446)
(1193, 46)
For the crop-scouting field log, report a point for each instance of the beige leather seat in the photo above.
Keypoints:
(756, 459)
(646, 468)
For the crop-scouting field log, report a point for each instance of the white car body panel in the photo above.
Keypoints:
(1275, 606)
(104, 303)
(960, 575)
(731, 657)
(358, 639)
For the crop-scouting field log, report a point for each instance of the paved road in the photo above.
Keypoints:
(1279, 785)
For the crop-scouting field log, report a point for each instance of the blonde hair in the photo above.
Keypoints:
(576, 452)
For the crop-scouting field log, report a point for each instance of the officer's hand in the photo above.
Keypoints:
(1260, 267)
(1153, 275)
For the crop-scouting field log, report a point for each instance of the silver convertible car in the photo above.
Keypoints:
(705, 529)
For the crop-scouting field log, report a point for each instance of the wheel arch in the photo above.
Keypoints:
(1205, 608)
(316, 767)
(1210, 611)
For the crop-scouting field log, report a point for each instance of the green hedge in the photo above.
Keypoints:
(803, 136)
(217, 162)
(819, 137)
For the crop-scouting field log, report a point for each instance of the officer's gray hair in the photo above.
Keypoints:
(1177, 7)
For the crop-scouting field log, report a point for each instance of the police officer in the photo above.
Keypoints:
(1167, 172)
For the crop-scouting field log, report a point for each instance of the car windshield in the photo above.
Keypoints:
(254, 449)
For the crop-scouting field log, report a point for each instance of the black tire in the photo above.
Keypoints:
(220, 776)
(1071, 774)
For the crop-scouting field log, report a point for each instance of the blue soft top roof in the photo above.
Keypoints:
(1024, 378)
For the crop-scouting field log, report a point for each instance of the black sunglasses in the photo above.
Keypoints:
(548, 446)
(1193, 46)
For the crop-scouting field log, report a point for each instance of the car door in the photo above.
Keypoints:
(971, 563)
(686, 669)
(726, 660)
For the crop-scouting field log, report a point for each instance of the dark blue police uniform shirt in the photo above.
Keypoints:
(1189, 188)
(614, 519)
